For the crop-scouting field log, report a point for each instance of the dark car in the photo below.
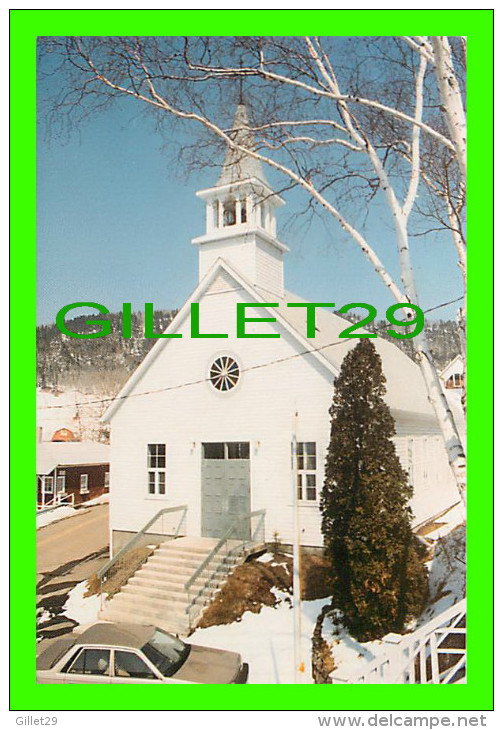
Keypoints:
(108, 653)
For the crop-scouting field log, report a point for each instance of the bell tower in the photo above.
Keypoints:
(241, 216)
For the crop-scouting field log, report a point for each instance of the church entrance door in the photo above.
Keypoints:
(225, 486)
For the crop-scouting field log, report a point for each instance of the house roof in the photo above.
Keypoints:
(406, 392)
(51, 454)
(405, 388)
(455, 360)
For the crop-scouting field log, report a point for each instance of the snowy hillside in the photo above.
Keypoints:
(80, 412)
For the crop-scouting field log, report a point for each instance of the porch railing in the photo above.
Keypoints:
(434, 654)
(221, 559)
(59, 500)
(134, 553)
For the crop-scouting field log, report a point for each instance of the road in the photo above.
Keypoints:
(72, 539)
(68, 552)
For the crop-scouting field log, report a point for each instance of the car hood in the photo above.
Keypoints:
(209, 666)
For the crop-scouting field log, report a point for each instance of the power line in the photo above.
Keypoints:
(439, 306)
(244, 370)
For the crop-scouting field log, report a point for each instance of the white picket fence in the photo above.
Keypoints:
(430, 655)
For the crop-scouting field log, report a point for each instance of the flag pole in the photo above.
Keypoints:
(299, 665)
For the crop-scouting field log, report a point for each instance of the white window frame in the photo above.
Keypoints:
(107, 480)
(61, 478)
(156, 470)
(84, 483)
(45, 484)
(307, 475)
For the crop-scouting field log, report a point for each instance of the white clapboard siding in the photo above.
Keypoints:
(182, 411)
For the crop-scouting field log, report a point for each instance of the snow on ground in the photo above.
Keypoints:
(265, 640)
(103, 499)
(83, 610)
(45, 518)
(265, 558)
(349, 655)
(59, 513)
(447, 586)
(43, 615)
(70, 409)
(447, 581)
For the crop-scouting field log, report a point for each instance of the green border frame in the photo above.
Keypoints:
(477, 25)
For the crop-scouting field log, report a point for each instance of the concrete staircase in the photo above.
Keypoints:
(156, 594)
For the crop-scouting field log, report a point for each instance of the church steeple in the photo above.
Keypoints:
(238, 165)
(240, 215)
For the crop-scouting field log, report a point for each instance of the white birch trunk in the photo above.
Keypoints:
(450, 96)
(436, 395)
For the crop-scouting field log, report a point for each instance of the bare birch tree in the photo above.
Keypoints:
(311, 121)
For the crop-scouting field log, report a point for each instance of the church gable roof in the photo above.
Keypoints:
(219, 276)
(405, 388)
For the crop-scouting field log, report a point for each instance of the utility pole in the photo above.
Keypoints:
(299, 665)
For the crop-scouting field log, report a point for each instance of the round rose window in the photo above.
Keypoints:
(224, 373)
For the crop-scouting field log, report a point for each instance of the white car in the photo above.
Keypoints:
(108, 653)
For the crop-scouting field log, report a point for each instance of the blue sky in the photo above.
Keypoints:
(115, 221)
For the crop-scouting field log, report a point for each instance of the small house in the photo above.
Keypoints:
(71, 472)
(64, 434)
(452, 375)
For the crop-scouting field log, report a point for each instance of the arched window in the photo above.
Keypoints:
(243, 211)
(230, 213)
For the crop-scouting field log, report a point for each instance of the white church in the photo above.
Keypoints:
(209, 422)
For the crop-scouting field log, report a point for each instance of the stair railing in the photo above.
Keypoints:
(231, 545)
(59, 500)
(125, 562)
(427, 656)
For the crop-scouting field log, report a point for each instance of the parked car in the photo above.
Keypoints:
(108, 653)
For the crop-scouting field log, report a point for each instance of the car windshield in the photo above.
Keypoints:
(166, 652)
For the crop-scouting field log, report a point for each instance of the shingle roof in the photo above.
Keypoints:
(67, 453)
(405, 388)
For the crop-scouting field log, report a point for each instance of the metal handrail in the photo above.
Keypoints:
(133, 540)
(248, 516)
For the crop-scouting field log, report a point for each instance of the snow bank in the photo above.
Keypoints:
(447, 580)
(349, 655)
(103, 499)
(447, 586)
(265, 640)
(45, 518)
(82, 609)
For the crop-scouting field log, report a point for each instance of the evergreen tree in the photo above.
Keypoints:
(379, 577)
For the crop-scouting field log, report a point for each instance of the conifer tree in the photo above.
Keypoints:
(378, 572)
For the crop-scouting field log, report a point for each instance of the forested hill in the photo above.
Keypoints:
(97, 365)
(103, 364)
